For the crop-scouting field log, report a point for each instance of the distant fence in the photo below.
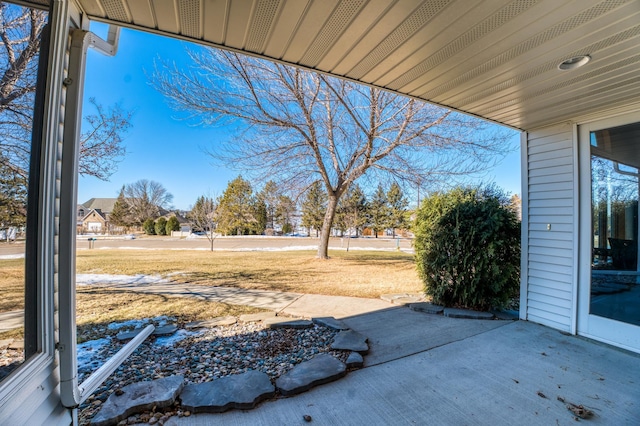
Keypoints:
(180, 233)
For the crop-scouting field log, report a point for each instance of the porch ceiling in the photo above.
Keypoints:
(497, 59)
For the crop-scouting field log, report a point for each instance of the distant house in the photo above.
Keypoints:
(93, 216)
(94, 222)
(185, 224)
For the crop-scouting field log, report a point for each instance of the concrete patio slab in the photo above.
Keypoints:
(492, 378)
(316, 305)
(399, 331)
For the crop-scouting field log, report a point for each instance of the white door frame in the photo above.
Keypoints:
(606, 330)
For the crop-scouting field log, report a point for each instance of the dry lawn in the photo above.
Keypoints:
(355, 273)
(11, 284)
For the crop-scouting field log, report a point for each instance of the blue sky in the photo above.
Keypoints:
(162, 147)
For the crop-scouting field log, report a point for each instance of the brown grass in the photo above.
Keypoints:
(11, 284)
(355, 273)
(97, 307)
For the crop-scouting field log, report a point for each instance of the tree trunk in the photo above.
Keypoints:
(323, 245)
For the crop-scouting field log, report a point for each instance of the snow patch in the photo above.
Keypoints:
(12, 256)
(175, 337)
(91, 353)
(88, 279)
(131, 324)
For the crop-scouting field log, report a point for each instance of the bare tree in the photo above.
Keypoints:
(145, 200)
(101, 143)
(20, 34)
(203, 217)
(299, 126)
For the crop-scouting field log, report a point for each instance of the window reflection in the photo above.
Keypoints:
(20, 36)
(615, 173)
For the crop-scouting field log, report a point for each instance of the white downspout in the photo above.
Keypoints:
(72, 394)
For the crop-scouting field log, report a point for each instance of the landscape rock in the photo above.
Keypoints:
(215, 322)
(355, 360)
(165, 330)
(284, 322)
(508, 315)
(349, 340)
(467, 313)
(322, 368)
(17, 344)
(139, 397)
(426, 307)
(402, 298)
(331, 322)
(241, 391)
(260, 316)
(127, 335)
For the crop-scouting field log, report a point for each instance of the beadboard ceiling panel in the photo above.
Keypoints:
(496, 59)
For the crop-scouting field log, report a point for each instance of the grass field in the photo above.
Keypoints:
(355, 273)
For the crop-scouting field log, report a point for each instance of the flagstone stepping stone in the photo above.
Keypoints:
(467, 313)
(127, 335)
(139, 397)
(242, 391)
(322, 368)
(16, 344)
(355, 360)
(506, 315)
(165, 330)
(260, 316)
(402, 299)
(284, 322)
(331, 322)
(428, 308)
(349, 340)
(215, 322)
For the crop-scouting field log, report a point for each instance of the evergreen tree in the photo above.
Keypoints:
(352, 210)
(172, 225)
(239, 212)
(397, 208)
(149, 227)
(378, 211)
(270, 196)
(161, 226)
(284, 213)
(313, 208)
(121, 214)
(13, 196)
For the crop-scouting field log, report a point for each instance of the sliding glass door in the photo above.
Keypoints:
(609, 294)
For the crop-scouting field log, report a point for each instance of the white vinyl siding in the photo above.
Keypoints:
(550, 235)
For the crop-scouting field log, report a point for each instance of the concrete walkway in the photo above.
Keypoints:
(11, 320)
(295, 304)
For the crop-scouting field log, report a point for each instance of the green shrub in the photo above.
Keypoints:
(467, 244)
(172, 225)
(149, 227)
(161, 226)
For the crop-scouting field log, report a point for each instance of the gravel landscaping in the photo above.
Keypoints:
(200, 356)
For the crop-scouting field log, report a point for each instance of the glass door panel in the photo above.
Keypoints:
(615, 172)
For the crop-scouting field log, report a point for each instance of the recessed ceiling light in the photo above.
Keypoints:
(575, 62)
